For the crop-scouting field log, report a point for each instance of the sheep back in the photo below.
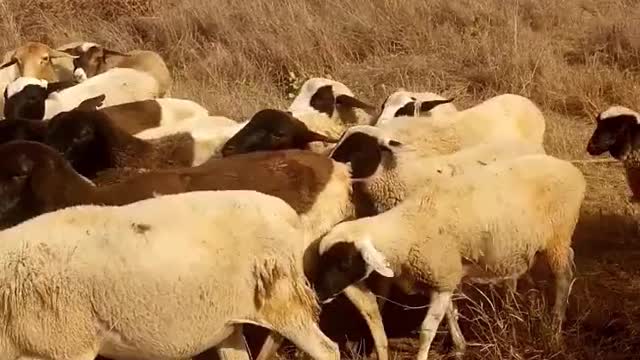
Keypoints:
(112, 270)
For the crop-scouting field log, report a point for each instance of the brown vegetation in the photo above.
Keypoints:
(572, 57)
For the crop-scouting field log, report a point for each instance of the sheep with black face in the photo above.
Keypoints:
(618, 132)
(271, 129)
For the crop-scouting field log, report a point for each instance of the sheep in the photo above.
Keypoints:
(332, 98)
(36, 60)
(439, 237)
(271, 129)
(506, 116)
(37, 179)
(309, 182)
(267, 129)
(390, 170)
(71, 271)
(96, 59)
(92, 143)
(616, 132)
(133, 117)
(25, 98)
(403, 103)
(119, 85)
(329, 107)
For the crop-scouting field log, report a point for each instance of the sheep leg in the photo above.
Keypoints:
(365, 301)
(234, 346)
(308, 337)
(271, 345)
(437, 309)
(560, 260)
(459, 342)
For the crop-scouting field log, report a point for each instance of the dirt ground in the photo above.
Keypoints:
(573, 58)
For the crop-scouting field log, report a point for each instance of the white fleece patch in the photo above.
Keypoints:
(79, 75)
(617, 110)
(87, 45)
(19, 84)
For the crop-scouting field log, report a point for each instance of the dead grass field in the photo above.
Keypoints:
(572, 57)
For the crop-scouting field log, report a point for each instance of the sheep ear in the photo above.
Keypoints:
(91, 104)
(9, 63)
(389, 144)
(311, 136)
(351, 102)
(60, 54)
(374, 258)
(323, 100)
(108, 52)
(430, 104)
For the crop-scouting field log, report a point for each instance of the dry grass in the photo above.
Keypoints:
(572, 57)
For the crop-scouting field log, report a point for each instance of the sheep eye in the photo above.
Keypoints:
(45, 59)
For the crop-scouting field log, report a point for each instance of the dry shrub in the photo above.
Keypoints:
(573, 58)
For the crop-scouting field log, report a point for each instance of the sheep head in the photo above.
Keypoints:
(82, 138)
(271, 129)
(363, 148)
(329, 97)
(346, 257)
(34, 59)
(616, 132)
(95, 60)
(404, 103)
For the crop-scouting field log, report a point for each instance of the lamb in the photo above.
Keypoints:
(71, 271)
(506, 116)
(267, 129)
(617, 132)
(439, 237)
(96, 59)
(271, 129)
(119, 85)
(389, 170)
(403, 103)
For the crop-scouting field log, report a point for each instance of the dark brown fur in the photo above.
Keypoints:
(135, 117)
(295, 176)
(93, 143)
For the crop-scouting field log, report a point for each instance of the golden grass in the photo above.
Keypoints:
(573, 58)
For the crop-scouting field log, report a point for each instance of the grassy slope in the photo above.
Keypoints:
(572, 57)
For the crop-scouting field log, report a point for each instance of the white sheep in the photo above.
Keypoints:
(163, 278)
(506, 116)
(119, 85)
(96, 59)
(486, 224)
(406, 104)
(388, 171)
